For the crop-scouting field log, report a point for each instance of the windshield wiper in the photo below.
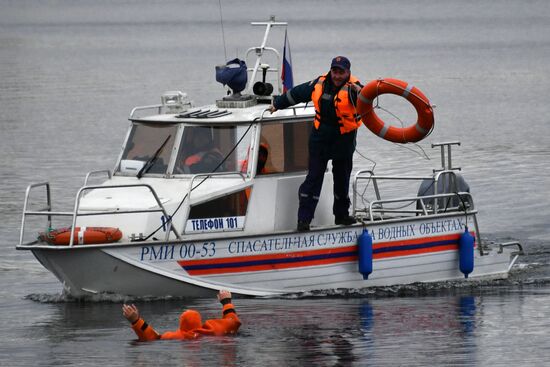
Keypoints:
(147, 166)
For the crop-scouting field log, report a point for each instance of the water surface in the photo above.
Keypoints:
(71, 71)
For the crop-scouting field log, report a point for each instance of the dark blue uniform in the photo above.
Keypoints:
(325, 143)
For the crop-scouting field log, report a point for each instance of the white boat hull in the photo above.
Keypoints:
(404, 252)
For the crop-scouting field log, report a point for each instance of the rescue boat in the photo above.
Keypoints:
(195, 204)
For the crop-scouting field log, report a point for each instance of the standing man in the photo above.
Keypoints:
(334, 96)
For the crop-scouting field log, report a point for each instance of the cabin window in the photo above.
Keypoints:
(226, 206)
(144, 143)
(287, 147)
(226, 213)
(207, 149)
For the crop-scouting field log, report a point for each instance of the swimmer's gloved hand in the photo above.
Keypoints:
(224, 297)
(130, 312)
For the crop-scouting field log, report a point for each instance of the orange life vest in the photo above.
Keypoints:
(348, 118)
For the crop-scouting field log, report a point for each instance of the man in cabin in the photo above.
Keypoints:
(262, 159)
(190, 323)
(204, 157)
(334, 96)
(263, 153)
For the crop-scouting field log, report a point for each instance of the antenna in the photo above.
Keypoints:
(223, 33)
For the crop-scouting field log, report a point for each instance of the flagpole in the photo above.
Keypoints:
(286, 68)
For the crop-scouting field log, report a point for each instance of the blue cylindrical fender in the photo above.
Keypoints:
(466, 252)
(364, 244)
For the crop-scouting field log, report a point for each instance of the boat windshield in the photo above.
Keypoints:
(148, 146)
(206, 149)
(202, 149)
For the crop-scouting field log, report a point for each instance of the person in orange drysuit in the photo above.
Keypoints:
(190, 326)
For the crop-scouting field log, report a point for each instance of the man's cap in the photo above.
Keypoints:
(340, 62)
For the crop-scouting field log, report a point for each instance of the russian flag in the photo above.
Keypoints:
(286, 73)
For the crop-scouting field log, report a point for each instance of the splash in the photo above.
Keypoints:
(95, 298)
(518, 279)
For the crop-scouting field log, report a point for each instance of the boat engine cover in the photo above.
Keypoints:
(447, 183)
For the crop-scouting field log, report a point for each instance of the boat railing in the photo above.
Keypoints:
(520, 251)
(206, 176)
(158, 107)
(75, 214)
(295, 114)
(377, 206)
(97, 173)
(47, 210)
(449, 200)
(378, 211)
(173, 102)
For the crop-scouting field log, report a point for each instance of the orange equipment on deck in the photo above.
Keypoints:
(82, 235)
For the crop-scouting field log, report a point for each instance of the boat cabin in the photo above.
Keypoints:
(218, 169)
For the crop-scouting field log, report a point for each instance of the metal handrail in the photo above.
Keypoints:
(262, 114)
(419, 199)
(208, 175)
(377, 207)
(236, 173)
(153, 192)
(448, 144)
(452, 179)
(374, 179)
(435, 178)
(279, 118)
(93, 173)
(75, 214)
(48, 208)
(257, 65)
(510, 244)
(141, 108)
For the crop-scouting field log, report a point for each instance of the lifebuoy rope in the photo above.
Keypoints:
(368, 102)
(406, 92)
(376, 105)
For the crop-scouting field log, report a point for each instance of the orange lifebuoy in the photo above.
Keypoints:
(409, 134)
(82, 235)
